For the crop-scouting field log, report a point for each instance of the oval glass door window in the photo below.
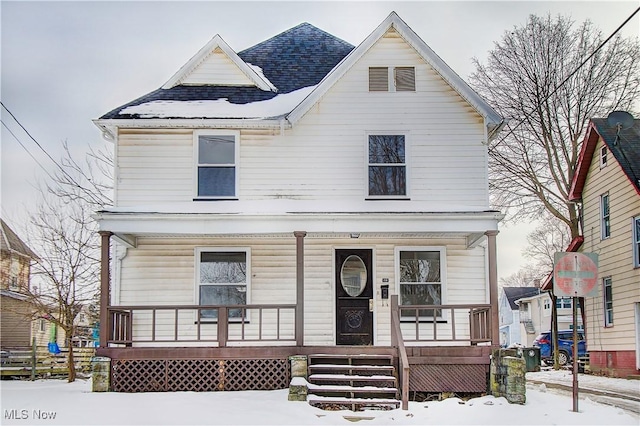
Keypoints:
(353, 275)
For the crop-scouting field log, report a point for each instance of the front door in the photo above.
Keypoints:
(354, 297)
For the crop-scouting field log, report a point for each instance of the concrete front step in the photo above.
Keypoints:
(354, 404)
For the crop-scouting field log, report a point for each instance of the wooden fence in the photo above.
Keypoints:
(39, 362)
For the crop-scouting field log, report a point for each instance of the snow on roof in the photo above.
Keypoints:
(220, 108)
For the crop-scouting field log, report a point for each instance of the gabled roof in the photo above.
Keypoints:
(515, 293)
(294, 59)
(303, 57)
(9, 241)
(573, 246)
(217, 42)
(624, 146)
(494, 120)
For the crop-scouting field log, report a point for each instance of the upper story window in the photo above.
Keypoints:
(636, 241)
(563, 303)
(603, 156)
(392, 79)
(223, 279)
(216, 164)
(605, 220)
(387, 166)
(421, 278)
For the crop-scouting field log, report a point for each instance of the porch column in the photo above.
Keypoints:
(300, 286)
(493, 288)
(105, 296)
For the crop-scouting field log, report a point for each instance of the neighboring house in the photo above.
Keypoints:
(536, 312)
(510, 316)
(607, 183)
(15, 273)
(278, 201)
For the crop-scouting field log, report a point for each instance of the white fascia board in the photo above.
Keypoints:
(492, 119)
(111, 125)
(260, 80)
(224, 224)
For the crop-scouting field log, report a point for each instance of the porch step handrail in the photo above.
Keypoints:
(398, 341)
(121, 332)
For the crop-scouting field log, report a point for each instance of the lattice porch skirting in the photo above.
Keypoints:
(198, 375)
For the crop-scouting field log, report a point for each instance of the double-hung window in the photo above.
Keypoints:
(421, 273)
(605, 216)
(387, 166)
(564, 302)
(607, 293)
(636, 241)
(223, 278)
(603, 156)
(216, 156)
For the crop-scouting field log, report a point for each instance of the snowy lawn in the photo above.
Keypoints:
(57, 402)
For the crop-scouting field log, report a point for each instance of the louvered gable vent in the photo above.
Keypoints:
(405, 79)
(378, 79)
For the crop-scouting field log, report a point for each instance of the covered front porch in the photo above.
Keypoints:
(247, 346)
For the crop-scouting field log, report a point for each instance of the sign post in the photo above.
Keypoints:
(575, 275)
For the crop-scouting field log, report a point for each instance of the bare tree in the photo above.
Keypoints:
(535, 76)
(525, 277)
(551, 236)
(67, 270)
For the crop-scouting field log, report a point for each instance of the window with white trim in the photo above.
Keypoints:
(607, 296)
(564, 302)
(216, 156)
(421, 278)
(636, 241)
(546, 306)
(392, 79)
(605, 216)
(603, 156)
(223, 278)
(387, 166)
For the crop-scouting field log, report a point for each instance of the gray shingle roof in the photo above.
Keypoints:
(625, 148)
(515, 293)
(9, 241)
(299, 57)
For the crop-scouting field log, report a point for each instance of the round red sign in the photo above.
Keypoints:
(575, 275)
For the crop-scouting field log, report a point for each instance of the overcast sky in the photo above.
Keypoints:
(66, 63)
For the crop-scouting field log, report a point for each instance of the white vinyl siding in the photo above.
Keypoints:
(615, 254)
(323, 156)
(163, 271)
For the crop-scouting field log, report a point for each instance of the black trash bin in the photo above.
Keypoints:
(531, 358)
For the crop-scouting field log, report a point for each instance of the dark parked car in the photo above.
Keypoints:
(565, 346)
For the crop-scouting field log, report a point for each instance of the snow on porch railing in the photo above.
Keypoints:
(169, 324)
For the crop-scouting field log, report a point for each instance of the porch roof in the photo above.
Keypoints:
(470, 225)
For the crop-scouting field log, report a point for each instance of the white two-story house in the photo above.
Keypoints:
(291, 199)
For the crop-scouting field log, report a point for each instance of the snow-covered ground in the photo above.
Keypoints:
(57, 402)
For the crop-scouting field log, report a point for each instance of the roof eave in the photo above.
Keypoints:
(111, 125)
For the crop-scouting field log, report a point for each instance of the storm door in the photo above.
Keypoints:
(354, 297)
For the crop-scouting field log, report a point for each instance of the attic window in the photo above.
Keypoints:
(603, 156)
(403, 79)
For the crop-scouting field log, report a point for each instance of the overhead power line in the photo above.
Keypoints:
(553, 92)
(70, 179)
